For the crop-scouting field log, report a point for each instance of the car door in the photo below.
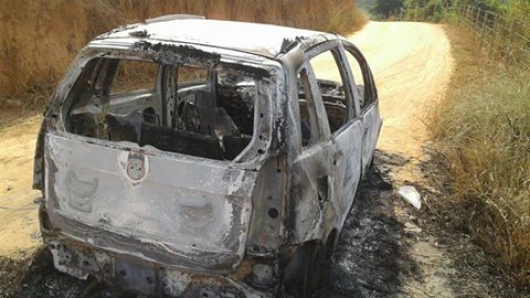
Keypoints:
(309, 154)
(346, 132)
(368, 107)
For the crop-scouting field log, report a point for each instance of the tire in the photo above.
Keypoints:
(311, 258)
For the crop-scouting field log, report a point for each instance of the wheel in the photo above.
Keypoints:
(310, 261)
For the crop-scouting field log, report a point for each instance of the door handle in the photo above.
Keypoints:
(337, 156)
(323, 189)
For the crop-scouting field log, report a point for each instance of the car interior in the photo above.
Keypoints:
(187, 109)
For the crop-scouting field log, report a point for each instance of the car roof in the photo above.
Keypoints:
(261, 39)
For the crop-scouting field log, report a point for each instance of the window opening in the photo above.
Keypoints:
(308, 115)
(189, 109)
(331, 86)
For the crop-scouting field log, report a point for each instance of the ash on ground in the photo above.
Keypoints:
(372, 258)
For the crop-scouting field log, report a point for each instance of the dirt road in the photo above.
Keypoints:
(412, 65)
(18, 212)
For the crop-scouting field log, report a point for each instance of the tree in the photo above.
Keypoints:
(512, 9)
(386, 7)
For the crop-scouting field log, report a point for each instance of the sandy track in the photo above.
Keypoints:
(18, 212)
(412, 66)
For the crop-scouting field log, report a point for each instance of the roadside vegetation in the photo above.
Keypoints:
(437, 10)
(41, 37)
(482, 129)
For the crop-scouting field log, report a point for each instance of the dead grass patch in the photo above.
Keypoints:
(483, 130)
(41, 37)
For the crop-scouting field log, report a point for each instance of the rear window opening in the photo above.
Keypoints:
(188, 109)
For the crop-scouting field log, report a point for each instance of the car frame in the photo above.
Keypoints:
(259, 222)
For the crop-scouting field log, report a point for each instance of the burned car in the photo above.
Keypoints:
(187, 157)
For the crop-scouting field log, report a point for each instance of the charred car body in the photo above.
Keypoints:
(197, 158)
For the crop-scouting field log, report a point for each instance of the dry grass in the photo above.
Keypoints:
(483, 129)
(41, 37)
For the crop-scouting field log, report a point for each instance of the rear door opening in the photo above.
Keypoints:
(148, 156)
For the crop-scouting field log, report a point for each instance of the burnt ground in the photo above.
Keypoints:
(372, 258)
(378, 253)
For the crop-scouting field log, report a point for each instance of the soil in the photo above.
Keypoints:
(387, 247)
